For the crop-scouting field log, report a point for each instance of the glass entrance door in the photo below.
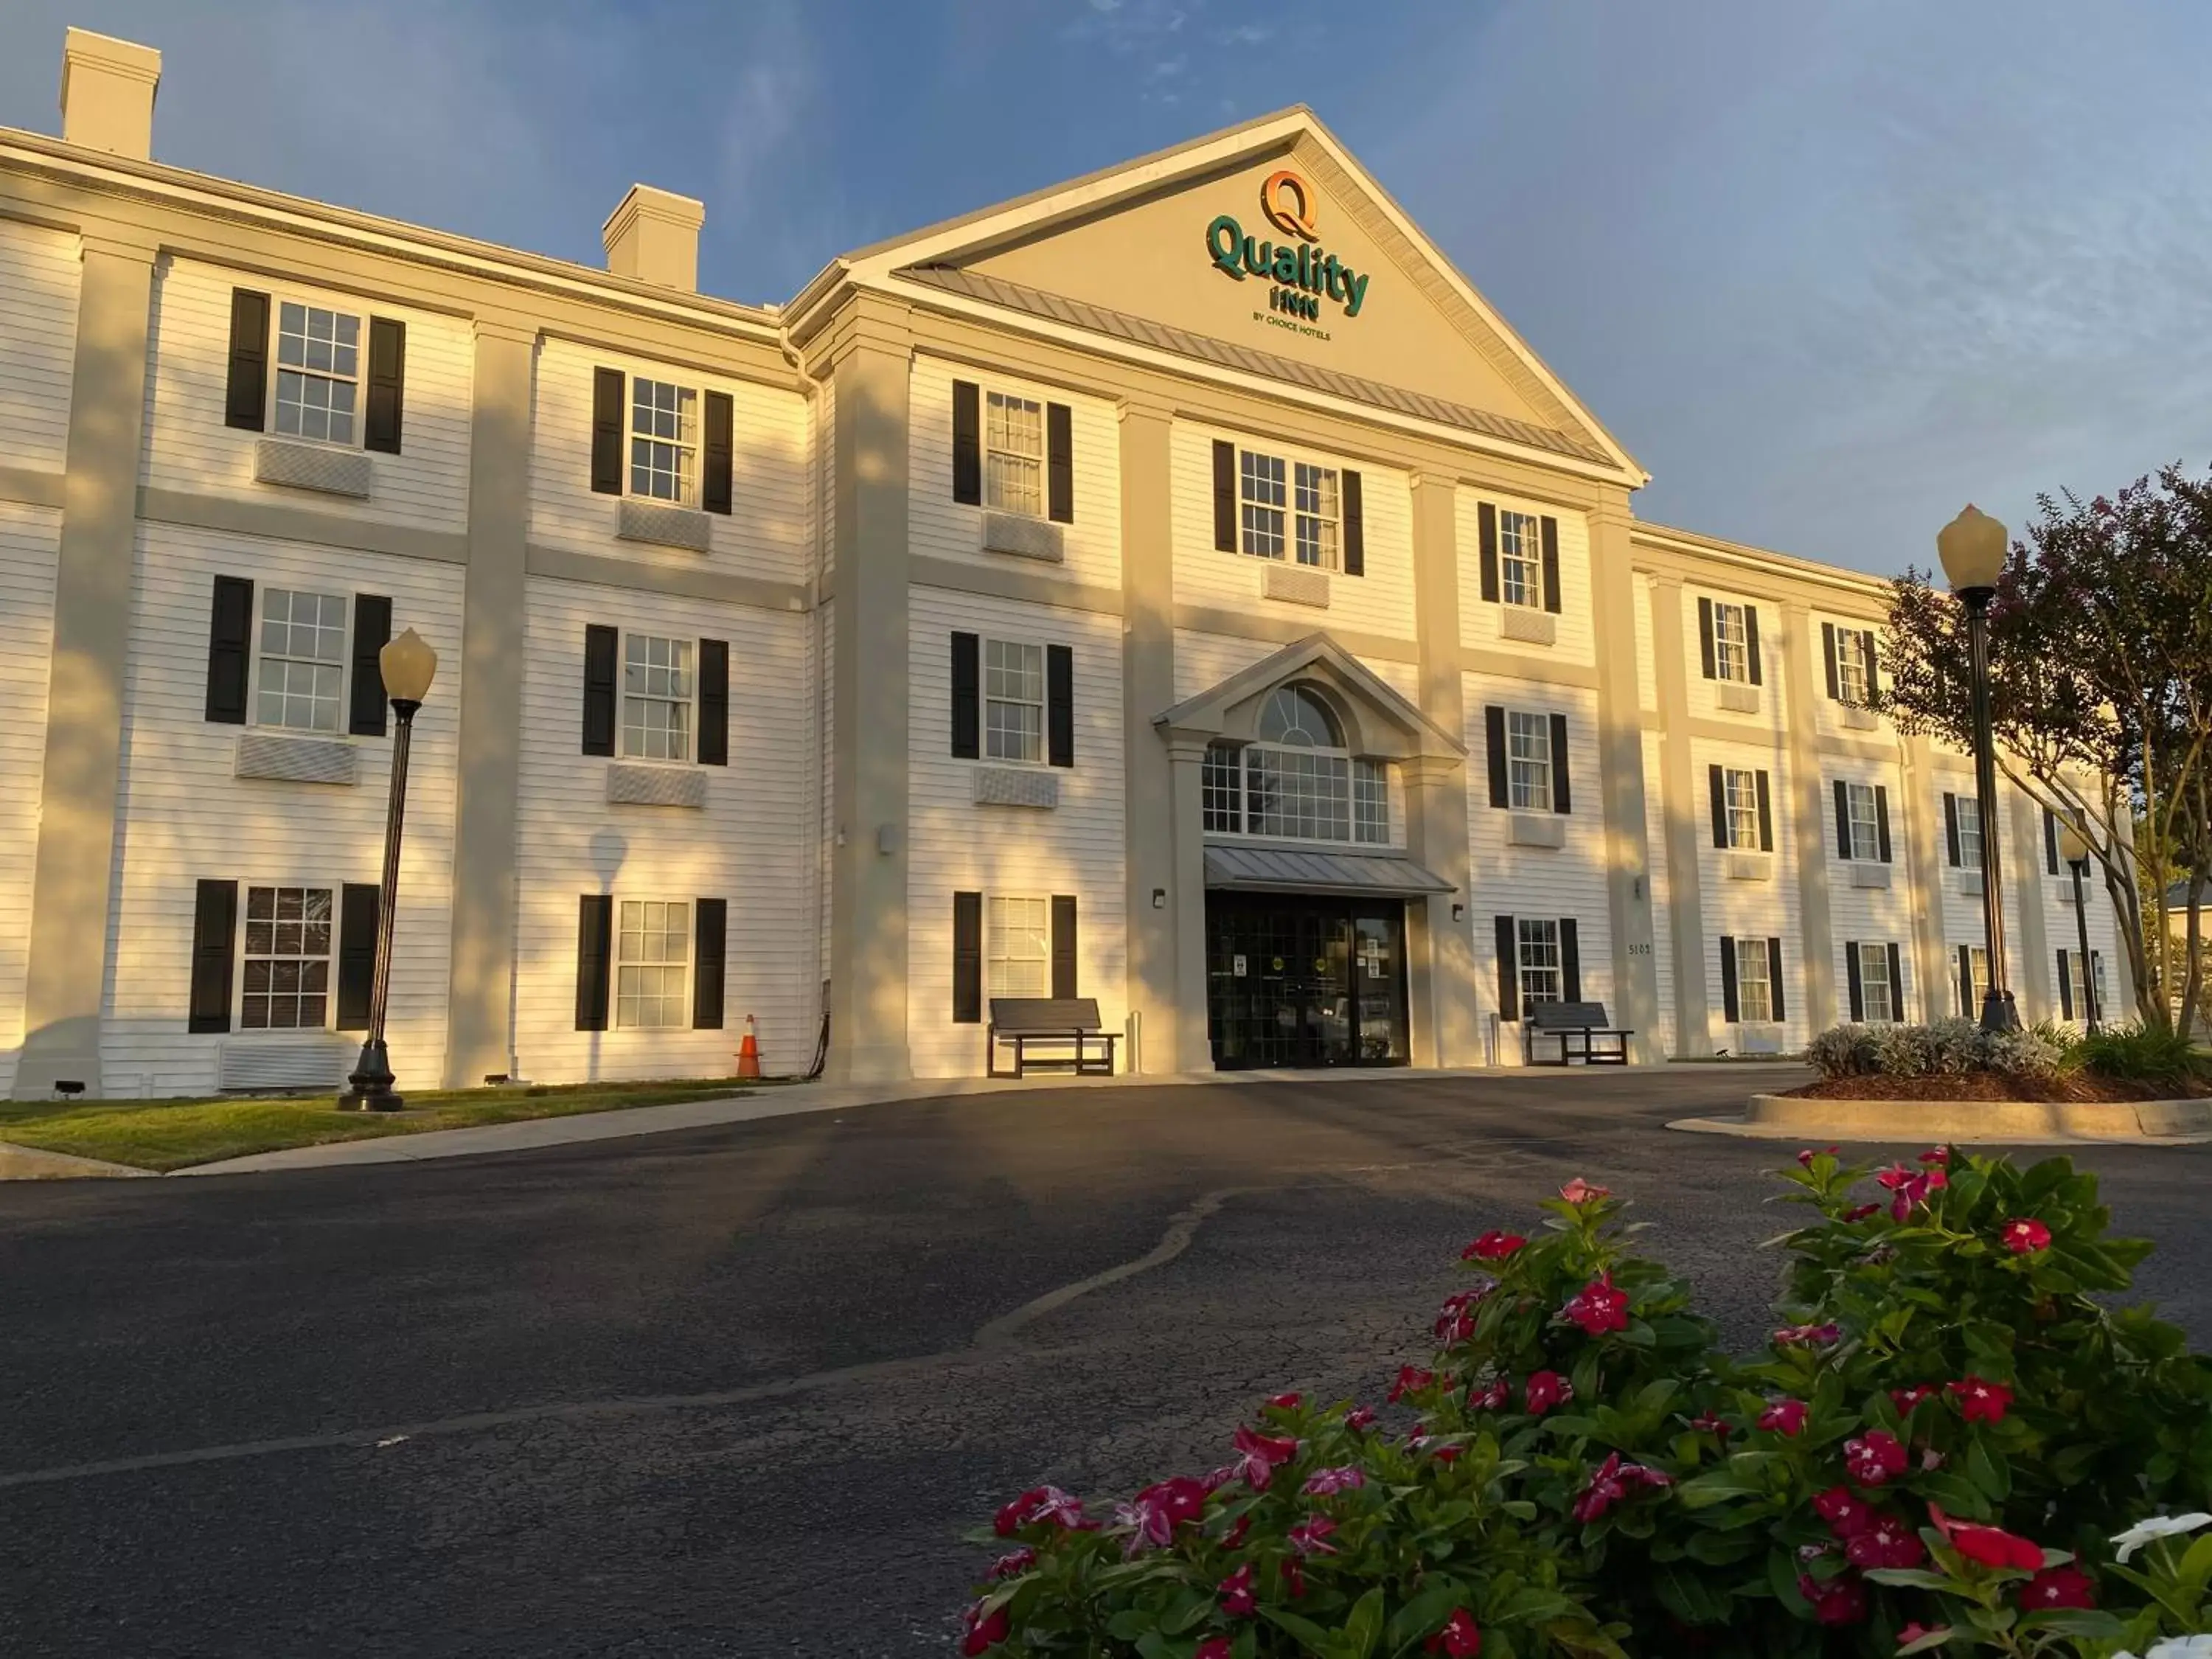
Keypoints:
(1304, 980)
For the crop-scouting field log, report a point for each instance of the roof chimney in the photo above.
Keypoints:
(108, 94)
(655, 237)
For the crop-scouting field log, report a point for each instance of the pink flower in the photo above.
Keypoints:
(1234, 1536)
(1711, 1423)
(1874, 1458)
(1784, 1417)
(1818, 1335)
(2064, 1586)
(1545, 1390)
(1235, 1592)
(1311, 1536)
(1491, 1396)
(1839, 1601)
(1610, 1482)
(1258, 1454)
(1846, 1513)
(1579, 1191)
(1294, 1578)
(1285, 1402)
(1040, 1503)
(985, 1626)
(1455, 1323)
(1459, 1639)
(1916, 1631)
(1411, 1379)
(1492, 1246)
(1806, 1157)
(1326, 1483)
(1992, 1546)
(1860, 1211)
(1449, 1453)
(1936, 1155)
(1980, 1401)
(1906, 1400)
(2025, 1236)
(1017, 1561)
(1158, 1509)
(1599, 1308)
(1359, 1417)
(1214, 1647)
(1908, 1188)
(1887, 1542)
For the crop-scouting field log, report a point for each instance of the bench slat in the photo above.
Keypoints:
(1020, 1016)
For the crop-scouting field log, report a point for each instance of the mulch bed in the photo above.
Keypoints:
(1988, 1086)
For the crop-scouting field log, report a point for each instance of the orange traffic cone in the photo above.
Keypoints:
(749, 1052)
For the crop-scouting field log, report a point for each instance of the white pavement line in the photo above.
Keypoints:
(1181, 1228)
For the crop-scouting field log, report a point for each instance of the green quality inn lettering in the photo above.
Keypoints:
(1300, 271)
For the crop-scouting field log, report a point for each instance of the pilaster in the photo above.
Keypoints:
(1815, 920)
(1678, 798)
(1194, 1051)
(1148, 691)
(1933, 969)
(1441, 980)
(1621, 780)
(2037, 993)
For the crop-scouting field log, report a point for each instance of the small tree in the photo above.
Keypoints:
(2100, 670)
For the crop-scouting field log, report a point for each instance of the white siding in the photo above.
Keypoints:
(1704, 694)
(38, 271)
(1739, 908)
(1827, 712)
(768, 533)
(1204, 660)
(752, 845)
(958, 847)
(1481, 623)
(189, 448)
(182, 816)
(940, 527)
(1874, 915)
(28, 537)
(1647, 654)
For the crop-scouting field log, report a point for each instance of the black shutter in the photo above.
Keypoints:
(2050, 842)
(1355, 527)
(1951, 825)
(1060, 704)
(1751, 641)
(967, 958)
(1562, 799)
(595, 950)
(372, 632)
(1060, 463)
(230, 644)
(1486, 518)
(967, 443)
(1774, 980)
(600, 647)
(1063, 944)
(721, 457)
(714, 702)
(2065, 990)
(1858, 985)
(388, 385)
(1896, 985)
(1828, 651)
(967, 697)
(1873, 667)
(1765, 814)
(710, 927)
(1730, 1010)
(245, 399)
(1225, 496)
(1509, 970)
(1843, 819)
(607, 400)
(1966, 980)
(1551, 564)
(1571, 959)
(1719, 789)
(1705, 638)
(357, 917)
(1493, 740)
(1881, 822)
(215, 924)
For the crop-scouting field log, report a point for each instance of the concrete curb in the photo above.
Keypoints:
(2049, 1123)
(35, 1163)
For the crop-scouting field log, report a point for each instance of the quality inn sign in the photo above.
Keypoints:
(1301, 273)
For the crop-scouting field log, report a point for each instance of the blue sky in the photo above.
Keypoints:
(1828, 270)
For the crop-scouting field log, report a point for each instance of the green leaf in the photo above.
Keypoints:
(1302, 1630)
(1365, 1626)
(1990, 1471)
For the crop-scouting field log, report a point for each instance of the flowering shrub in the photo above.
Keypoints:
(1949, 1443)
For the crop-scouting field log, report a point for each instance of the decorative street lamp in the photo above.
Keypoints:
(407, 665)
(2073, 848)
(1972, 547)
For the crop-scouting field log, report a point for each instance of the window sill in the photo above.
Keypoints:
(287, 759)
(633, 783)
(1736, 698)
(1036, 788)
(1519, 622)
(662, 524)
(1536, 830)
(1295, 584)
(1867, 874)
(1748, 866)
(326, 469)
(1024, 536)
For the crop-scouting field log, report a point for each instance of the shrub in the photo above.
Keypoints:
(1899, 1051)
(1937, 1448)
(1953, 1046)
(2028, 1054)
(1842, 1051)
(2143, 1053)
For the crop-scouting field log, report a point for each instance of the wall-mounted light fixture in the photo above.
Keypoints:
(1159, 898)
(1459, 913)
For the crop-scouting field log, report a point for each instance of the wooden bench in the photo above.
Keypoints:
(1578, 1026)
(1066, 1023)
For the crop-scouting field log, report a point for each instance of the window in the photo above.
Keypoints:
(303, 651)
(318, 372)
(1970, 832)
(1866, 834)
(656, 698)
(1878, 998)
(1220, 788)
(1371, 802)
(1740, 786)
(1316, 515)
(1261, 493)
(664, 441)
(288, 958)
(1013, 700)
(1528, 761)
(1754, 992)
(1731, 643)
(1270, 490)
(1976, 979)
(1543, 978)
(1521, 558)
(1013, 454)
(1851, 668)
(652, 955)
(1017, 947)
(1297, 781)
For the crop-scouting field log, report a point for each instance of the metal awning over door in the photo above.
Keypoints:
(1287, 869)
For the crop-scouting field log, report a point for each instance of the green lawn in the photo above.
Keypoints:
(170, 1134)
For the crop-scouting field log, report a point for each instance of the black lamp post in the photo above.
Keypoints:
(2073, 848)
(1973, 548)
(408, 666)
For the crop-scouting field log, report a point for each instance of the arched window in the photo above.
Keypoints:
(1297, 717)
(1299, 781)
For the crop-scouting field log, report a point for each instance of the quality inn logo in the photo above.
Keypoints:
(1300, 271)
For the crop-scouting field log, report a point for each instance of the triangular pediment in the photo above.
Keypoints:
(1380, 723)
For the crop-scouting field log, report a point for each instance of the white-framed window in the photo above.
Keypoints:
(1013, 454)
(1851, 667)
(1969, 810)
(1263, 496)
(1316, 501)
(286, 977)
(1289, 509)
(300, 681)
(1521, 558)
(1017, 946)
(1013, 700)
(1977, 975)
(1542, 968)
(1754, 992)
(1528, 760)
(1731, 642)
(1297, 781)
(664, 441)
(652, 965)
(1864, 821)
(318, 372)
(1221, 788)
(657, 689)
(1740, 795)
(1878, 998)
(1371, 802)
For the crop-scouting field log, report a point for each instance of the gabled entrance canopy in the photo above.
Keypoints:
(1379, 723)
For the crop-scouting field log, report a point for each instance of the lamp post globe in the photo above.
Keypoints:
(1972, 547)
(2073, 849)
(407, 665)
